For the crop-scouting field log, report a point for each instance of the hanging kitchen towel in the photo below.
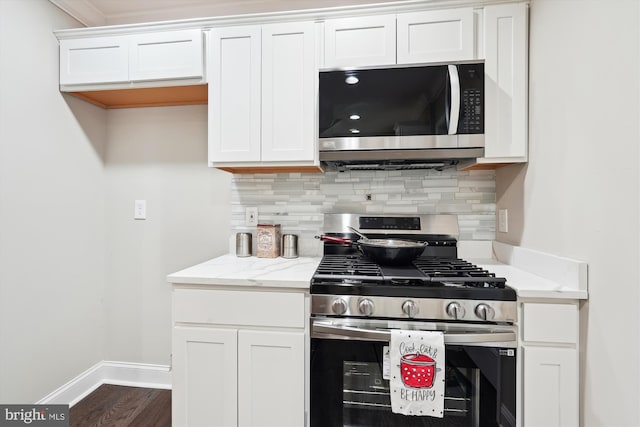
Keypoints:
(417, 373)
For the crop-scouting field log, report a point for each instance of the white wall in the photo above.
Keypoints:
(80, 280)
(579, 195)
(159, 155)
(51, 212)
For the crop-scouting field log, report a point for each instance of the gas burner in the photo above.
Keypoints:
(458, 272)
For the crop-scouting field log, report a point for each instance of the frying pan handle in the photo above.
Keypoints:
(333, 239)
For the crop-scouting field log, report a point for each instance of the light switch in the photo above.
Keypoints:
(140, 209)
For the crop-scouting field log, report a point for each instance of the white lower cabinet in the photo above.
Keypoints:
(247, 371)
(205, 366)
(550, 365)
(551, 387)
(270, 379)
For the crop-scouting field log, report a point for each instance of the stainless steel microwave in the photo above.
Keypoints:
(403, 114)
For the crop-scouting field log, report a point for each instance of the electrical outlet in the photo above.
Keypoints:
(503, 220)
(251, 216)
(140, 209)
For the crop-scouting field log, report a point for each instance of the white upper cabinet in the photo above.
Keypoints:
(163, 55)
(434, 36)
(361, 41)
(506, 77)
(407, 38)
(235, 94)
(262, 97)
(289, 73)
(94, 60)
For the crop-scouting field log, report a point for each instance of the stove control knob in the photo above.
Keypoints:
(366, 306)
(455, 310)
(484, 311)
(339, 306)
(410, 308)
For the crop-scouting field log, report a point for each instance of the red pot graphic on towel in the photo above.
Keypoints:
(417, 370)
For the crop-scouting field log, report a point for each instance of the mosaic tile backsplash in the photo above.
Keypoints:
(298, 201)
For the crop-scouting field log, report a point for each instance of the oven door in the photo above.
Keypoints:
(348, 387)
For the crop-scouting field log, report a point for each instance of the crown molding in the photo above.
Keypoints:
(83, 11)
(318, 15)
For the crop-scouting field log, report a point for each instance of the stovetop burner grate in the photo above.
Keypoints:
(350, 265)
(427, 271)
(457, 271)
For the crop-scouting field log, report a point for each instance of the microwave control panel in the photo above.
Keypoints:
(471, 112)
(471, 98)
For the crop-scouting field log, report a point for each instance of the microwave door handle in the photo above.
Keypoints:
(454, 112)
(385, 335)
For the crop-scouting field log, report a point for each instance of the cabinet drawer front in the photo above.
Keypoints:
(166, 55)
(94, 60)
(556, 323)
(279, 309)
(360, 41)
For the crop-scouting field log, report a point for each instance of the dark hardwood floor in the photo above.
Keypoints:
(119, 406)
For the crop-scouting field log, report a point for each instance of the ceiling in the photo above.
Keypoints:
(113, 12)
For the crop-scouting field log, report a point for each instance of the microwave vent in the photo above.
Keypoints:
(387, 165)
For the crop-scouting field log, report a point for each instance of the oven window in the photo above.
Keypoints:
(348, 388)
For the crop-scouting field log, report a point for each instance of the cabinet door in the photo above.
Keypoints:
(234, 94)
(439, 35)
(289, 73)
(506, 82)
(271, 379)
(94, 60)
(204, 377)
(166, 55)
(551, 388)
(353, 42)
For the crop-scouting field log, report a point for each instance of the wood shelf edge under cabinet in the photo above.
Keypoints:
(485, 163)
(484, 166)
(146, 97)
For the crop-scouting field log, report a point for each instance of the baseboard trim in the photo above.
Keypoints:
(110, 372)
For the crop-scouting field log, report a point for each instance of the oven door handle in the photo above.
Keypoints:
(355, 333)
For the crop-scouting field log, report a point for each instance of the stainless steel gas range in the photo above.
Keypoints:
(356, 303)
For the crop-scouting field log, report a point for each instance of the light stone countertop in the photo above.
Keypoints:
(529, 285)
(249, 271)
(532, 274)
